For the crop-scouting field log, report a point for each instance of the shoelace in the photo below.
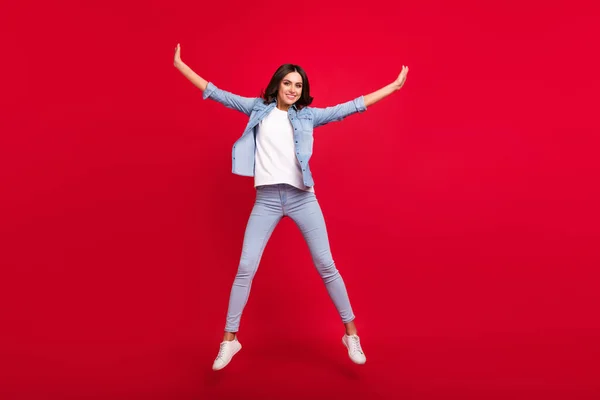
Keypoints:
(221, 350)
(355, 344)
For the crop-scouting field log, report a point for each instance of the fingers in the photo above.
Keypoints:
(177, 55)
(404, 71)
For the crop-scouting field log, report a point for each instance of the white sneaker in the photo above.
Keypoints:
(227, 350)
(355, 352)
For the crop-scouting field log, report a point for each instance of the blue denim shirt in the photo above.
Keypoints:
(303, 121)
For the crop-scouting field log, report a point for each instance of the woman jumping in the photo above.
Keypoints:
(275, 148)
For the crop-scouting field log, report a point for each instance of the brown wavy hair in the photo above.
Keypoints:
(270, 93)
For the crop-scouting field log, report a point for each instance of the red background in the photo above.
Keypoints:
(462, 210)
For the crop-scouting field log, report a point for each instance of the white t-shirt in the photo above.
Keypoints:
(275, 158)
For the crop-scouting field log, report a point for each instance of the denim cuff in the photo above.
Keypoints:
(210, 88)
(359, 103)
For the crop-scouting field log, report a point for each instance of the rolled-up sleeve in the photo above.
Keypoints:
(322, 116)
(230, 100)
(210, 88)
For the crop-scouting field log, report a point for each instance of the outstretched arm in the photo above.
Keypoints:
(322, 116)
(385, 91)
(230, 100)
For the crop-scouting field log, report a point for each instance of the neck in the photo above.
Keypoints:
(282, 105)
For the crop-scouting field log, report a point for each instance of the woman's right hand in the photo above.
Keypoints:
(177, 59)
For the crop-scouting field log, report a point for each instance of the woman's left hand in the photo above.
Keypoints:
(401, 78)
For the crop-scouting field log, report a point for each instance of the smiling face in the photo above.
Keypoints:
(290, 90)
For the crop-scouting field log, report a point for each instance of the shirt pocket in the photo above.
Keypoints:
(306, 123)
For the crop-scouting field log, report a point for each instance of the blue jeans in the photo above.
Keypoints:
(273, 202)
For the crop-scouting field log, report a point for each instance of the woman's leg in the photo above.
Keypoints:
(306, 212)
(264, 217)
